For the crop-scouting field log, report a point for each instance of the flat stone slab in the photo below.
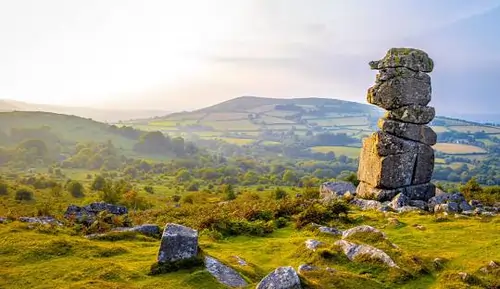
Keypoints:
(411, 58)
(416, 132)
(224, 274)
(353, 251)
(414, 113)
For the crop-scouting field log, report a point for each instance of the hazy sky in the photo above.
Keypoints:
(185, 54)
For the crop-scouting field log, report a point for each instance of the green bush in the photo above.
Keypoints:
(310, 193)
(279, 194)
(188, 199)
(76, 189)
(24, 194)
(4, 189)
(149, 189)
(193, 187)
(176, 198)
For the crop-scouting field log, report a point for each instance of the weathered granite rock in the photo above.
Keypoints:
(366, 204)
(46, 220)
(424, 165)
(281, 278)
(307, 268)
(464, 206)
(3, 220)
(312, 244)
(399, 201)
(178, 243)
(334, 190)
(330, 231)
(385, 144)
(369, 192)
(411, 58)
(422, 205)
(404, 89)
(88, 213)
(414, 113)
(405, 209)
(420, 192)
(363, 229)
(354, 251)
(149, 230)
(416, 132)
(475, 203)
(385, 172)
(224, 274)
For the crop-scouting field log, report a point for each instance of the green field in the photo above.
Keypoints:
(452, 148)
(351, 152)
(475, 128)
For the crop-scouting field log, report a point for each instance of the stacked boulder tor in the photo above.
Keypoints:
(399, 159)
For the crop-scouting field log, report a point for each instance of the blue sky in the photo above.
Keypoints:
(189, 54)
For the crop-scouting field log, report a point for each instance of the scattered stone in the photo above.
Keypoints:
(439, 263)
(352, 251)
(240, 261)
(330, 270)
(281, 278)
(312, 244)
(307, 268)
(367, 204)
(399, 201)
(149, 230)
(453, 207)
(224, 274)
(330, 231)
(88, 213)
(493, 265)
(468, 213)
(368, 192)
(177, 243)
(466, 277)
(419, 204)
(393, 222)
(457, 198)
(475, 203)
(334, 190)
(3, 220)
(407, 209)
(419, 227)
(464, 206)
(363, 229)
(40, 220)
(488, 214)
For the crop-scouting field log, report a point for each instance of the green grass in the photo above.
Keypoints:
(351, 152)
(48, 258)
(232, 125)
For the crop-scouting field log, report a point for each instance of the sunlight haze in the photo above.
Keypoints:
(188, 54)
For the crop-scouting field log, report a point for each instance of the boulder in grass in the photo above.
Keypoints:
(224, 274)
(363, 229)
(312, 244)
(335, 190)
(281, 278)
(178, 243)
(354, 251)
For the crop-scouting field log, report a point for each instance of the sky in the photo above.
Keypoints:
(178, 55)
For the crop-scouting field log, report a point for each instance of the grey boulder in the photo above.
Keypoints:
(352, 251)
(334, 190)
(224, 274)
(178, 243)
(281, 278)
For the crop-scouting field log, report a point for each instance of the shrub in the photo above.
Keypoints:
(4, 189)
(193, 187)
(176, 198)
(98, 183)
(149, 189)
(310, 193)
(228, 191)
(24, 194)
(280, 222)
(76, 189)
(188, 199)
(279, 194)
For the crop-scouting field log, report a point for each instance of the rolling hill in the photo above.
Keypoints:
(258, 121)
(103, 115)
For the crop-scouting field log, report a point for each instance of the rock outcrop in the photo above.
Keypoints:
(178, 243)
(87, 214)
(398, 161)
(281, 278)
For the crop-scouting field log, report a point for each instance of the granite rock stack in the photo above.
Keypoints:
(399, 158)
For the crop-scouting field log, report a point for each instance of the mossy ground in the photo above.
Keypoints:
(55, 258)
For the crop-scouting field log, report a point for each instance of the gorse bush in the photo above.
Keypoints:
(76, 189)
(279, 194)
(24, 194)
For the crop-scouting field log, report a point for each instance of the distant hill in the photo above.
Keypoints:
(71, 129)
(103, 115)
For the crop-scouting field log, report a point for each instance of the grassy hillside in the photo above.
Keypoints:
(66, 127)
(104, 115)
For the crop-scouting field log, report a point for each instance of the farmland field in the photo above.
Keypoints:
(351, 152)
(452, 148)
(474, 128)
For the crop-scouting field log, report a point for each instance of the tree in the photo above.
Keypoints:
(228, 192)
(289, 177)
(471, 188)
(76, 189)
(98, 183)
